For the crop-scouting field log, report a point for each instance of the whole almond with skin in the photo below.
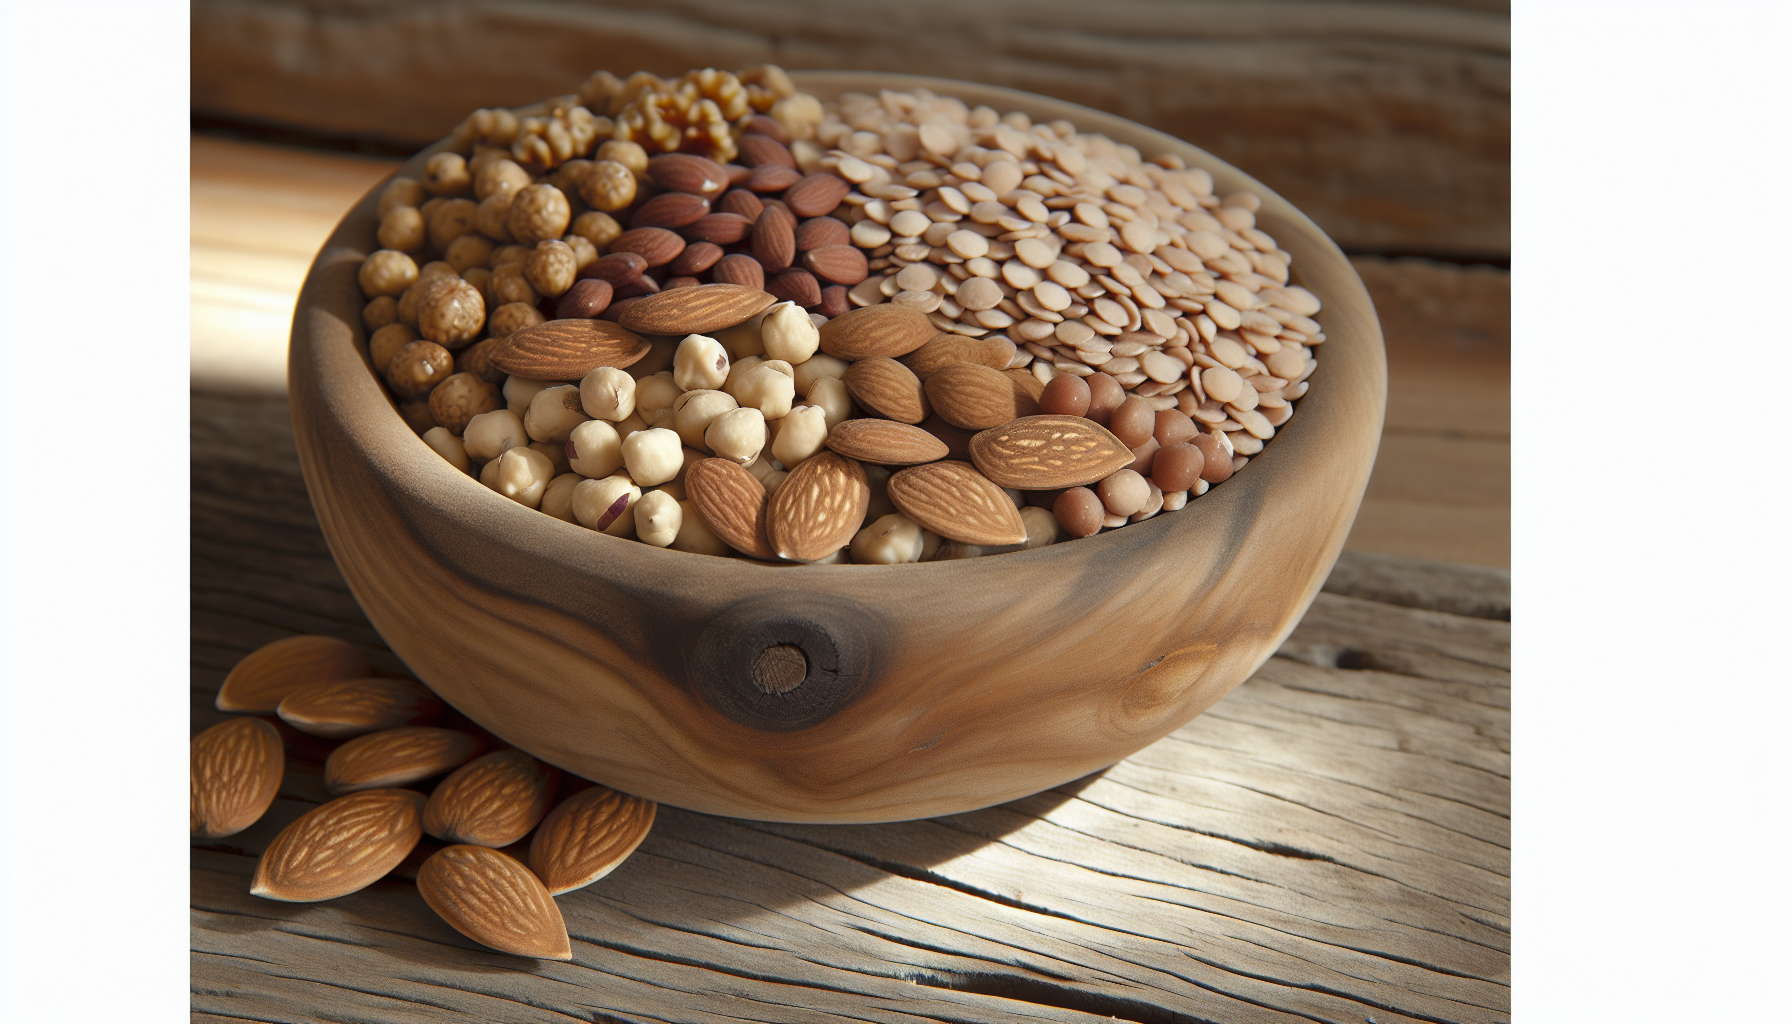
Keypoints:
(657, 246)
(881, 330)
(739, 268)
(587, 836)
(993, 351)
(742, 202)
(816, 194)
(774, 239)
(757, 150)
(262, 680)
(568, 349)
(492, 800)
(688, 172)
(771, 178)
(720, 228)
(670, 210)
(618, 268)
(344, 845)
(494, 900)
(732, 504)
(955, 501)
(795, 285)
(977, 397)
(885, 442)
(837, 264)
(888, 387)
(395, 757)
(236, 767)
(1048, 453)
(340, 708)
(698, 310)
(817, 508)
(819, 231)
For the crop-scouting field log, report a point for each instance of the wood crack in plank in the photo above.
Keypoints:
(1326, 991)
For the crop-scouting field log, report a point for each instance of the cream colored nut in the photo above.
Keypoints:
(831, 396)
(658, 518)
(655, 392)
(512, 317)
(632, 422)
(738, 368)
(700, 364)
(387, 272)
(556, 501)
(743, 339)
(468, 251)
(1175, 500)
(402, 228)
(553, 413)
(401, 192)
(737, 435)
(450, 312)
(694, 410)
(448, 447)
(891, 540)
(789, 334)
(491, 434)
(653, 456)
(800, 434)
(694, 536)
(556, 454)
(1042, 526)
(446, 175)
(538, 212)
(550, 269)
(520, 391)
(600, 229)
(816, 367)
(769, 387)
(607, 505)
(609, 186)
(773, 481)
(522, 475)
(499, 175)
(594, 449)
(608, 394)
(385, 343)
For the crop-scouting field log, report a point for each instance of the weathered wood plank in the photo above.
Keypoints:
(1327, 844)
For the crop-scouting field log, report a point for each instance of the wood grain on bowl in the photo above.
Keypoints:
(924, 689)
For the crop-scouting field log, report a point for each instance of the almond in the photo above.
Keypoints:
(1048, 453)
(816, 194)
(492, 800)
(670, 210)
(837, 264)
(344, 845)
(494, 900)
(881, 330)
(732, 504)
(340, 708)
(817, 508)
(819, 231)
(956, 440)
(655, 245)
(739, 268)
(687, 172)
(742, 202)
(618, 268)
(885, 442)
(774, 239)
(236, 767)
(567, 349)
(698, 310)
(889, 388)
(795, 285)
(955, 501)
(757, 150)
(768, 126)
(771, 178)
(993, 351)
(394, 757)
(587, 836)
(720, 228)
(977, 397)
(262, 680)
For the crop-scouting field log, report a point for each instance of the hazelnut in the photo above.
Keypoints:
(607, 505)
(493, 213)
(445, 174)
(387, 272)
(653, 456)
(450, 312)
(658, 518)
(695, 536)
(521, 474)
(701, 363)
(418, 367)
(512, 317)
(594, 449)
(402, 228)
(401, 191)
(448, 447)
(491, 434)
(800, 434)
(385, 343)
(467, 251)
(737, 435)
(693, 411)
(551, 267)
(628, 154)
(379, 313)
(553, 413)
(498, 174)
(459, 398)
(556, 501)
(538, 212)
(510, 284)
(608, 394)
(598, 228)
(451, 220)
(609, 186)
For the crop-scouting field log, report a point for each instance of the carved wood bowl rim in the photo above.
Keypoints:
(351, 438)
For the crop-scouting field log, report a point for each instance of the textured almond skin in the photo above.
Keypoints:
(262, 680)
(688, 172)
(739, 268)
(976, 397)
(1048, 453)
(817, 232)
(492, 800)
(816, 194)
(885, 442)
(774, 239)
(1029, 385)
(657, 246)
(890, 388)
(670, 210)
(697, 310)
(955, 501)
(345, 845)
(587, 836)
(837, 264)
(732, 504)
(235, 773)
(340, 708)
(720, 228)
(567, 349)
(395, 757)
(493, 899)
(881, 330)
(994, 351)
(817, 508)
(757, 149)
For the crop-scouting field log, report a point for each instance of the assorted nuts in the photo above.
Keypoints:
(713, 314)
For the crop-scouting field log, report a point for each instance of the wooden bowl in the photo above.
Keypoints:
(931, 689)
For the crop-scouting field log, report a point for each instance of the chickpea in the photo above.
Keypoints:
(556, 501)
(893, 539)
(512, 317)
(598, 228)
(418, 367)
(553, 413)
(608, 187)
(538, 212)
(743, 339)
(653, 456)
(450, 312)
(509, 284)
(1042, 527)
(700, 364)
(801, 434)
(385, 343)
(478, 277)
(551, 268)
(407, 303)
(694, 410)
(498, 174)
(467, 251)
(476, 360)
(512, 253)
(434, 269)
(522, 475)
(694, 534)
(387, 272)
(768, 386)
(584, 253)
(608, 394)
(658, 517)
(451, 220)
(629, 154)
(830, 394)
(814, 368)
(459, 398)
(402, 228)
(789, 334)
(594, 449)
(493, 214)
(430, 207)
(448, 447)
(556, 454)
(655, 392)
(607, 505)
(491, 434)
(737, 435)
(401, 192)
(631, 423)
(379, 313)
(446, 175)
